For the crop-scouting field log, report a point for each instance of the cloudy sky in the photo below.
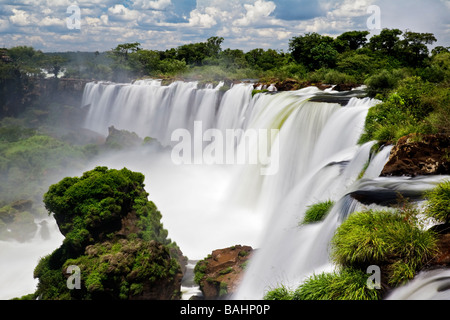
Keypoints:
(244, 24)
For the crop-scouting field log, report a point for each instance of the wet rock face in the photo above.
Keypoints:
(220, 273)
(419, 155)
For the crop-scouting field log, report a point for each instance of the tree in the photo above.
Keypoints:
(440, 49)
(415, 49)
(125, 61)
(192, 53)
(27, 59)
(233, 58)
(388, 41)
(123, 50)
(54, 64)
(313, 50)
(351, 40)
(150, 60)
(213, 46)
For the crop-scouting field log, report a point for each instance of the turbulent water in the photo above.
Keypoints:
(312, 155)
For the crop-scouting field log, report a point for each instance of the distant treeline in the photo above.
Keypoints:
(351, 58)
(351, 53)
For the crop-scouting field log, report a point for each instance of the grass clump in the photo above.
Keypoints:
(383, 238)
(280, 293)
(349, 284)
(438, 202)
(317, 212)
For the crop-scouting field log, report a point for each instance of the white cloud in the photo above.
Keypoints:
(202, 20)
(121, 12)
(47, 11)
(154, 5)
(350, 8)
(4, 25)
(104, 19)
(49, 21)
(256, 13)
(20, 17)
(245, 24)
(93, 22)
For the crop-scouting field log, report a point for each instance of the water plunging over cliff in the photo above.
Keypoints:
(312, 144)
(318, 159)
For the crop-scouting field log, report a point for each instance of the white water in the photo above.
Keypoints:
(18, 260)
(427, 285)
(206, 207)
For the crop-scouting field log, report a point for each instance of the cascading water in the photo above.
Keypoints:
(313, 150)
(18, 259)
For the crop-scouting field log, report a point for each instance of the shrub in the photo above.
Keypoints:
(415, 107)
(348, 284)
(380, 83)
(330, 76)
(383, 238)
(438, 202)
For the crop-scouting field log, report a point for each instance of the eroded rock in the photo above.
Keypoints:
(415, 155)
(220, 273)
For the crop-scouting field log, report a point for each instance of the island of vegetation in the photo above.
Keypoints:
(114, 235)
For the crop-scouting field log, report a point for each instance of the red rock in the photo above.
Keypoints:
(222, 271)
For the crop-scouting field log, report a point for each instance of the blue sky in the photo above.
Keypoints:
(244, 24)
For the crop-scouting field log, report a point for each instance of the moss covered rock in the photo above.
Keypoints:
(114, 236)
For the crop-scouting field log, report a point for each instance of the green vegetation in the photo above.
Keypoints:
(31, 158)
(348, 284)
(280, 293)
(112, 232)
(351, 56)
(385, 239)
(415, 106)
(317, 212)
(438, 202)
(393, 240)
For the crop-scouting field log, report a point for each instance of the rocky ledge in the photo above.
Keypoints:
(219, 274)
(415, 155)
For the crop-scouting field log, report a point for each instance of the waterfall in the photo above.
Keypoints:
(312, 148)
(319, 159)
(18, 259)
(427, 285)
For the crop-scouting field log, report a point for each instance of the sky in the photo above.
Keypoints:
(100, 25)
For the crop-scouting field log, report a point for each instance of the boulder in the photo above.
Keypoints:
(415, 155)
(220, 273)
